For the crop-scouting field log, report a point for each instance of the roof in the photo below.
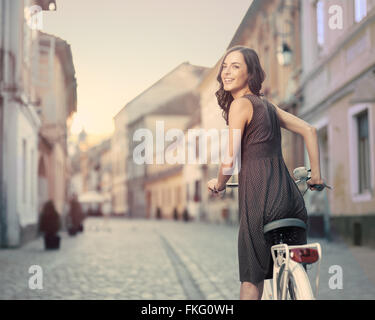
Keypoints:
(64, 53)
(253, 9)
(184, 104)
(181, 80)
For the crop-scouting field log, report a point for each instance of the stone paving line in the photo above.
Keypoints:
(149, 259)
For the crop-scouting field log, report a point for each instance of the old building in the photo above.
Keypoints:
(106, 176)
(55, 86)
(133, 116)
(90, 177)
(338, 86)
(119, 155)
(164, 182)
(19, 121)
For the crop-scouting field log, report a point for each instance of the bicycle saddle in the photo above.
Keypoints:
(284, 223)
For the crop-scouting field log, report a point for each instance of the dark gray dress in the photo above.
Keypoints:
(266, 191)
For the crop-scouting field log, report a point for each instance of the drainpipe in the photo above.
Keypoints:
(2, 196)
(1, 120)
(4, 71)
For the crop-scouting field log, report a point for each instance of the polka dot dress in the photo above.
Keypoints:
(266, 191)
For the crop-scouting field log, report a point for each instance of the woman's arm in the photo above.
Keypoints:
(238, 117)
(310, 136)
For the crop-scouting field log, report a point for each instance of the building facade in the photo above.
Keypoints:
(338, 85)
(119, 156)
(133, 116)
(56, 90)
(19, 124)
(33, 149)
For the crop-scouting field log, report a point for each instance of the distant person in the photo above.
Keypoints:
(50, 225)
(76, 216)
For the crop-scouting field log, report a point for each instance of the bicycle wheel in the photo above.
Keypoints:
(267, 290)
(298, 283)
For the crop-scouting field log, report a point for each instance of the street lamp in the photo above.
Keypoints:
(284, 54)
(284, 30)
(52, 6)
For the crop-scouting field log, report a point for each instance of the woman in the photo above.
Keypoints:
(266, 191)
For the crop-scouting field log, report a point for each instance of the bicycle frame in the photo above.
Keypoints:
(301, 174)
(278, 251)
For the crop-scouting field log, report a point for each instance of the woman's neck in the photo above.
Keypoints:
(241, 93)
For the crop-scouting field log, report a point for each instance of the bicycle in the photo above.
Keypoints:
(290, 254)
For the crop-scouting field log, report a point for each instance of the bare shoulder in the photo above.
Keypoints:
(241, 107)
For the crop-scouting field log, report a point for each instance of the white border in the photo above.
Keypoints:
(353, 150)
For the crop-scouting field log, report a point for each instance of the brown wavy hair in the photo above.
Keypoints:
(256, 76)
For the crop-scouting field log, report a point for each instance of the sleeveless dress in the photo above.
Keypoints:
(266, 190)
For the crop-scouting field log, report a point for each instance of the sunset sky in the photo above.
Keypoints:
(121, 47)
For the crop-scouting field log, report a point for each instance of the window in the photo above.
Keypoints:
(169, 196)
(178, 195)
(197, 192)
(324, 152)
(267, 60)
(154, 198)
(24, 171)
(361, 152)
(320, 23)
(32, 178)
(360, 10)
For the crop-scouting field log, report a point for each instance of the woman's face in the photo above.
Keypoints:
(234, 74)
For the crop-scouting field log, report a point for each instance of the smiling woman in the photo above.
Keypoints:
(266, 191)
(240, 66)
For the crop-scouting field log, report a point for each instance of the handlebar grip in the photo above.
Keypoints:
(318, 187)
(232, 185)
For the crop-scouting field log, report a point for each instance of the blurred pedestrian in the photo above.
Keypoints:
(75, 216)
(50, 225)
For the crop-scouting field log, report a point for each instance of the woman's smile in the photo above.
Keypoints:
(228, 80)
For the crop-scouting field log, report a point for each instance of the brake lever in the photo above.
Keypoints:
(319, 187)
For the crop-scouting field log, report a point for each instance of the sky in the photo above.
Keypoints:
(121, 47)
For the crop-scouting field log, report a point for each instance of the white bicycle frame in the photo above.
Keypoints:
(281, 256)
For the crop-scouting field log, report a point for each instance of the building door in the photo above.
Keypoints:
(2, 209)
(148, 204)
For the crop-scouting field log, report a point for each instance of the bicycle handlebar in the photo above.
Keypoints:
(319, 187)
(301, 173)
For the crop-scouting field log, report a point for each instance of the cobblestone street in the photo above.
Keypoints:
(137, 259)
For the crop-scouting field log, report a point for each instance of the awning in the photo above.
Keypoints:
(91, 197)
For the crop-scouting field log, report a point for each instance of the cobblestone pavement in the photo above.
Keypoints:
(146, 259)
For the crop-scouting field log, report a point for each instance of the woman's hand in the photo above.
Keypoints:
(213, 187)
(314, 180)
